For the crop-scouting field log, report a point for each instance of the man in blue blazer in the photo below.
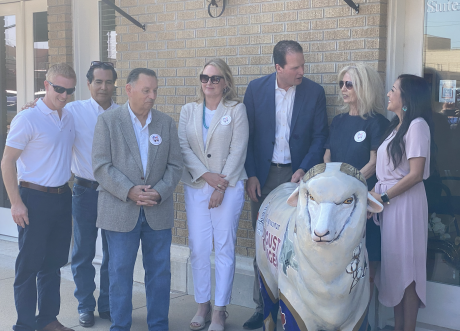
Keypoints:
(287, 131)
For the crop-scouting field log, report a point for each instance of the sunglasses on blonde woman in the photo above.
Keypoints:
(214, 79)
(348, 84)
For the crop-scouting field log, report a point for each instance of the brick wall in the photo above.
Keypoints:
(60, 31)
(180, 37)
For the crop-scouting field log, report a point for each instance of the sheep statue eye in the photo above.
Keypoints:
(311, 197)
(348, 201)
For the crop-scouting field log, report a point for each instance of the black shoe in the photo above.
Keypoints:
(256, 321)
(105, 315)
(86, 319)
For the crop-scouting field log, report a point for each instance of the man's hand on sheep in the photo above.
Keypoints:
(297, 176)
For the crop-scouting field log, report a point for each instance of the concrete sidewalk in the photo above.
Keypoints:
(181, 310)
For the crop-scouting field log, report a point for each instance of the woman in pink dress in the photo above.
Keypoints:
(402, 165)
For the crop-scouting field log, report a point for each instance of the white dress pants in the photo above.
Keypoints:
(204, 225)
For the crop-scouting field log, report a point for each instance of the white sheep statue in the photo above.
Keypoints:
(311, 251)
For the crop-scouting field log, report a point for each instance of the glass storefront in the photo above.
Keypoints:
(8, 85)
(41, 47)
(442, 71)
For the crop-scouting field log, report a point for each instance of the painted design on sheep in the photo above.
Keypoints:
(311, 251)
(354, 269)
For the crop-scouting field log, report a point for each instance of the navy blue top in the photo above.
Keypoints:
(352, 138)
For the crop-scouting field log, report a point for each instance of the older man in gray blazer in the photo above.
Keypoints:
(137, 162)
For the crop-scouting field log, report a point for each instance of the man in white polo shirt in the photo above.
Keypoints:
(101, 79)
(40, 144)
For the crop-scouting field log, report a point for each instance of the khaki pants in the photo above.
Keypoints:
(276, 177)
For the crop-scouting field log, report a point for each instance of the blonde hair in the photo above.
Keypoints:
(368, 87)
(229, 93)
(61, 69)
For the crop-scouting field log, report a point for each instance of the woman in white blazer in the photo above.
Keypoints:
(213, 134)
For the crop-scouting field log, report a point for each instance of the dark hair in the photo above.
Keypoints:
(134, 74)
(90, 73)
(416, 96)
(282, 48)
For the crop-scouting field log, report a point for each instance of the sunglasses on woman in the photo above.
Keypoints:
(348, 84)
(60, 89)
(214, 79)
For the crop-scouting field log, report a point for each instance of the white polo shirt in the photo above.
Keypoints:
(46, 142)
(85, 114)
(142, 136)
(284, 104)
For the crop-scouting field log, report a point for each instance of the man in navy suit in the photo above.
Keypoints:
(287, 131)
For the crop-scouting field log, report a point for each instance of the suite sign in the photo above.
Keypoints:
(442, 6)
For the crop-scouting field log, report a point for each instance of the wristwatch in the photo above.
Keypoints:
(385, 198)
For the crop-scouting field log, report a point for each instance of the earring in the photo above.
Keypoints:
(404, 108)
(226, 89)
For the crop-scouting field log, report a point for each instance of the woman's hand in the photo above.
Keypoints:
(376, 196)
(216, 181)
(216, 199)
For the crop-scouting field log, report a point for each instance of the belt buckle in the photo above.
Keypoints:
(278, 165)
(60, 190)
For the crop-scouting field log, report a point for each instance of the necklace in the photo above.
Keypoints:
(204, 117)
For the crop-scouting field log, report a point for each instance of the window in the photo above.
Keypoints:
(442, 71)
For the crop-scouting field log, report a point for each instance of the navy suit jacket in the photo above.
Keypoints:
(309, 128)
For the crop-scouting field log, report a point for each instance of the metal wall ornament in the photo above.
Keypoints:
(215, 3)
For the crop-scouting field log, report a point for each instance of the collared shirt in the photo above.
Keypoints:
(85, 114)
(46, 142)
(142, 136)
(284, 103)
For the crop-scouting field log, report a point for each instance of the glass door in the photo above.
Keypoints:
(441, 68)
(23, 63)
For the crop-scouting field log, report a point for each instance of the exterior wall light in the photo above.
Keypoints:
(215, 3)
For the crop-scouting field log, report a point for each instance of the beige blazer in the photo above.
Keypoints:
(226, 145)
(117, 166)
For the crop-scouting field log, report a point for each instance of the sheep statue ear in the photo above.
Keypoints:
(373, 205)
(293, 198)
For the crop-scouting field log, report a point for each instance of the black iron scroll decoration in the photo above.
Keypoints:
(353, 5)
(215, 4)
(124, 14)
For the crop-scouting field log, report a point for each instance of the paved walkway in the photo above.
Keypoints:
(181, 311)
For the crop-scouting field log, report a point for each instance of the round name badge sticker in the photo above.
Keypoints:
(226, 120)
(155, 139)
(360, 136)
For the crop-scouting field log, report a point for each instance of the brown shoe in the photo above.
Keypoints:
(55, 326)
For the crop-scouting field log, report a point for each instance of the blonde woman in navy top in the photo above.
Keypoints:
(355, 136)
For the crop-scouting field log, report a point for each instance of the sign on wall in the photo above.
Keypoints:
(447, 91)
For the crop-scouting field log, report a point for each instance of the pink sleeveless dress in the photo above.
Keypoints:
(404, 222)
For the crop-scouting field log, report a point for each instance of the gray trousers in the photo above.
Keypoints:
(276, 177)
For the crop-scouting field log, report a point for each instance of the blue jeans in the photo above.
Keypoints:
(84, 210)
(123, 247)
(43, 249)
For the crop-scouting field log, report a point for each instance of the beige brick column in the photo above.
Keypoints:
(60, 31)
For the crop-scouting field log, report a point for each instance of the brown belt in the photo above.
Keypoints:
(55, 190)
